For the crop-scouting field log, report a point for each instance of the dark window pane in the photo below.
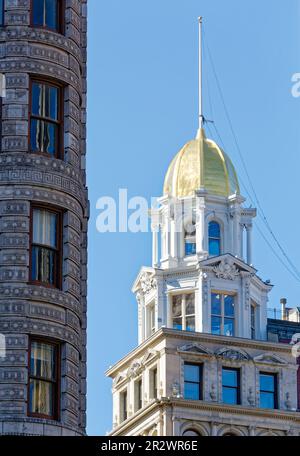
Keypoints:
(230, 377)
(190, 323)
(177, 323)
(43, 136)
(267, 400)
(43, 265)
(230, 395)
(190, 248)
(191, 391)
(214, 230)
(228, 327)
(177, 305)
(51, 14)
(38, 12)
(45, 13)
(214, 248)
(41, 397)
(216, 304)
(1, 12)
(190, 304)
(229, 306)
(45, 101)
(42, 360)
(191, 373)
(267, 382)
(216, 325)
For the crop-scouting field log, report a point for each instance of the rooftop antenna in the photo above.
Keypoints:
(201, 117)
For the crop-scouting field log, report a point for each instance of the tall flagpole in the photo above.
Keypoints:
(200, 75)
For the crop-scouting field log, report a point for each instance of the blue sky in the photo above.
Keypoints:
(142, 108)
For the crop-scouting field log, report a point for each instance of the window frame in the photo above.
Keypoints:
(138, 394)
(57, 383)
(123, 405)
(59, 249)
(214, 238)
(200, 383)
(153, 382)
(60, 19)
(222, 315)
(190, 238)
(275, 393)
(184, 315)
(59, 153)
(237, 388)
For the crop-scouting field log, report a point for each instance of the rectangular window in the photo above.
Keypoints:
(222, 314)
(192, 381)
(138, 395)
(268, 390)
(1, 12)
(150, 311)
(43, 379)
(45, 259)
(48, 14)
(153, 384)
(123, 406)
(183, 312)
(230, 386)
(46, 119)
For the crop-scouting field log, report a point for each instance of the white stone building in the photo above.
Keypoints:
(204, 364)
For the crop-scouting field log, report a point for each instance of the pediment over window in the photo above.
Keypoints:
(145, 282)
(119, 379)
(151, 355)
(227, 266)
(195, 348)
(233, 354)
(269, 358)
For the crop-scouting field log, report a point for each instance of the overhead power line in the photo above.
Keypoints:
(291, 268)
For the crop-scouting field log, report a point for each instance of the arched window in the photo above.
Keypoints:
(214, 239)
(191, 433)
(190, 239)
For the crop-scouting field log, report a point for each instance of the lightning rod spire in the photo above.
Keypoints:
(201, 118)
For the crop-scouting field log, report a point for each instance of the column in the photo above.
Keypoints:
(249, 243)
(200, 222)
(155, 232)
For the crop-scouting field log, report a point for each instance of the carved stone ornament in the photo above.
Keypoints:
(251, 398)
(288, 402)
(135, 369)
(226, 269)
(148, 283)
(233, 355)
(176, 390)
(213, 394)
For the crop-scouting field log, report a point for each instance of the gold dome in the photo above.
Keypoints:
(201, 163)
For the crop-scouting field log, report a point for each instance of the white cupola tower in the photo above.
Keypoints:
(202, 278)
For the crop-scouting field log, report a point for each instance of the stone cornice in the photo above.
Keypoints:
(166, 403)
(185, 336)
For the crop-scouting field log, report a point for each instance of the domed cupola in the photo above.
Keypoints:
(201, 163)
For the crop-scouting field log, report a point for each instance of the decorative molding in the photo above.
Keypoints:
(195, 348)
(148, 283)
(269, 358)
(233, 354)
(226, 269)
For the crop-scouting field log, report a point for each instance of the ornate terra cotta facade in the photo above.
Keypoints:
(44, 306)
